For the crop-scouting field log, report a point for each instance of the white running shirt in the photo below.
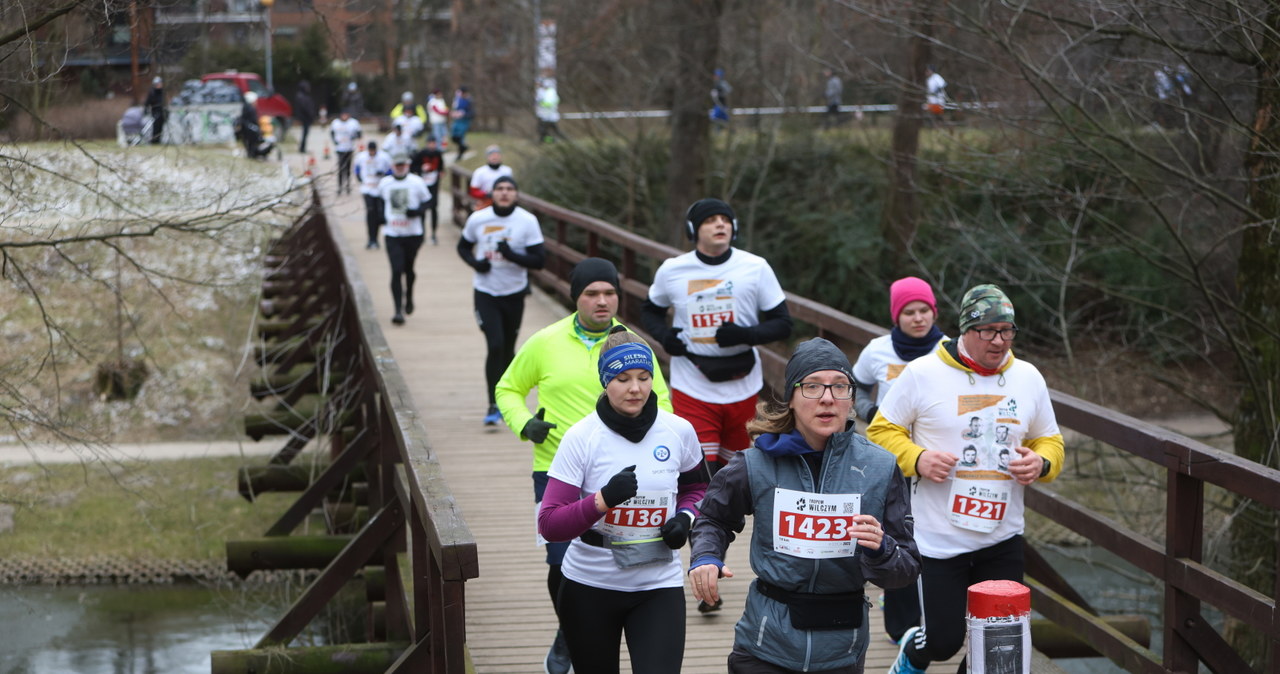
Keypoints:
(937, 403)
(486, 229)
(399, 196)
(739, 288)
(589, 454)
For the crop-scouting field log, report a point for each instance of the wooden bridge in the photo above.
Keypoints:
(433, 512)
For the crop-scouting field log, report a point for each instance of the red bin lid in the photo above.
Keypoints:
(998, 599)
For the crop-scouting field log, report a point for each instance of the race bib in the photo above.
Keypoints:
(814, 526)
(640, 516)
(979, 505)
(399, 225)
(707, 312)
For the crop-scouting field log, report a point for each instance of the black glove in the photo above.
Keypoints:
(732, 334)
(536, 429)
(413, 213)
(482, 266)
(675, 531)
(621, 487)
(673, 344)
(504, 248)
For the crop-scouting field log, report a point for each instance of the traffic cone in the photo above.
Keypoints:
(311, 163)
(360, 147)
(326, 152)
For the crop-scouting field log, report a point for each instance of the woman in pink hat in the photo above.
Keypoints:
(914, 312)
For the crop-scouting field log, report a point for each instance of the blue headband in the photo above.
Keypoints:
(628, 356)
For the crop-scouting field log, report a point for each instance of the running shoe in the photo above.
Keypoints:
(493, 416)
(434, 240)
(408, 306)
(558, 661)
(398, 319)
(901, 665)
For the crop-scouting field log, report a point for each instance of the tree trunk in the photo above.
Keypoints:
(899, 221)
(1254, 530)
(697, 40)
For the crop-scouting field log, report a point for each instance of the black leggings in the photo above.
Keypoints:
(344, 169)
(372, 215)
(593, 621)
(402, 251)
(944, 594)
(435, 200)
(499, 318)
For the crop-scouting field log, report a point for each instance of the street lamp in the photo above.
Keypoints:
(266, 18)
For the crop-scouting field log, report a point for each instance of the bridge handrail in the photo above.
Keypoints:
(1189, 464)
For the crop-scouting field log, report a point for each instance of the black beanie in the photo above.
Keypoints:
(812, 356)
(589, 271)
(505, 179)
(705, 208)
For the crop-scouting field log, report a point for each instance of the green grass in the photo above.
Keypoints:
(182, 510)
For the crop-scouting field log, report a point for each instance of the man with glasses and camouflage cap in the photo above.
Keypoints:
(968, 520)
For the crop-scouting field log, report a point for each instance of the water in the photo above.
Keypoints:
(139, 629)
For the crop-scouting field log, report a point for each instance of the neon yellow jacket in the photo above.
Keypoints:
(567, 377)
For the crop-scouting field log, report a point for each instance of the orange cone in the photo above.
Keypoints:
(311, 163)
(326, 153)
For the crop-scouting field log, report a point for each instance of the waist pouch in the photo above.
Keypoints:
(840, 611)
(628, 554)
(724, 368)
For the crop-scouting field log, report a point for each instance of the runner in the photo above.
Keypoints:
(501, 243)
(560, 362)
(344, 131)
(624, 488)
(371, 166)
(404, 197)
(830, 512)
(482, 178)
(969, 522)
(427, 163)
(913, 310)
(726, 302)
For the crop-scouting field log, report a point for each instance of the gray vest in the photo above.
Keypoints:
(851, 465)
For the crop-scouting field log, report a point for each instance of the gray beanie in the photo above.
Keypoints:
(812, 356)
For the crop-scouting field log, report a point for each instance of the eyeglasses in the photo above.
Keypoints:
(989, 334)
(815, 390)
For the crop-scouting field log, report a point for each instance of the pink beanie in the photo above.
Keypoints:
(904, 291)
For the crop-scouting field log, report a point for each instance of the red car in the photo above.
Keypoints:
(273, 105)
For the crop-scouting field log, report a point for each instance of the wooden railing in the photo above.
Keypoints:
(329, 375)
(1189, 638)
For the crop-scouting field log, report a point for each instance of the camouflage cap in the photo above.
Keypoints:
(983, 305)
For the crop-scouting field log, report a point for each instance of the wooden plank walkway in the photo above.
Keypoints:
(441, 351)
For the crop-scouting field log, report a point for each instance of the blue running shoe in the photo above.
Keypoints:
(493, 417)
(901, 665)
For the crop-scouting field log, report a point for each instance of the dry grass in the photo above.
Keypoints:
(79, 289)
(85, 120)
(184, 510)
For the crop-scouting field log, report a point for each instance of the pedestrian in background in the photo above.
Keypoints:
(156, 107)
(304, 110)
(462, 114)
(438, 117)
(833, 93)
